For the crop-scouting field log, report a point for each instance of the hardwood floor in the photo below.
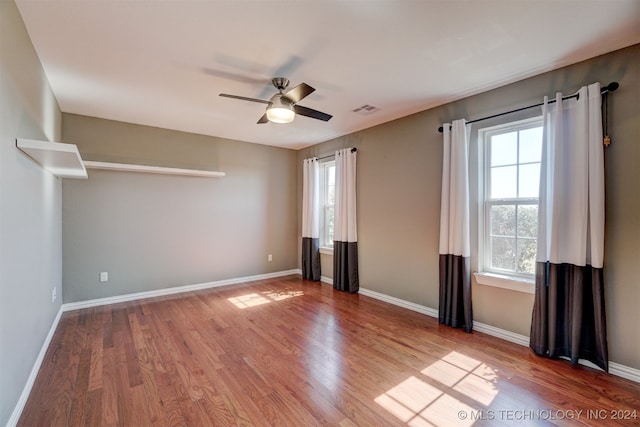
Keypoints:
(288, 352)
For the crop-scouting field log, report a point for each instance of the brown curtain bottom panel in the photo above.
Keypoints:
(455, 292)
(569, 313)
(311, 258)
(345, 266)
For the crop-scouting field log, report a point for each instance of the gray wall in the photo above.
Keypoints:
(153, 231)
(30, 211)
(398, 184)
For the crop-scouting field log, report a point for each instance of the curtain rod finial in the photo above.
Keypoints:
(612, 86)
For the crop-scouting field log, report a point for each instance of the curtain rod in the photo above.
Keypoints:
(353, 150)
(608, 88)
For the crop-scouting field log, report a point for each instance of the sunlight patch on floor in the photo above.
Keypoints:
(445, 412)
(445, 373)
(255, 299)
(408, 398)
(281, 295)
(478, 389)
(248, 300)
(460, 360)
(438, 402)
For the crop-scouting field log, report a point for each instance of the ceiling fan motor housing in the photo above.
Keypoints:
(280, 83)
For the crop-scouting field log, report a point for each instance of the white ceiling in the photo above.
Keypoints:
(163, 63)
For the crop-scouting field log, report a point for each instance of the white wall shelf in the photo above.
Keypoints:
(152, 169)
(62, 160)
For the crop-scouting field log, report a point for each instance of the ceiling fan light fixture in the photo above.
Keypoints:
(280, 114)
(280, 111)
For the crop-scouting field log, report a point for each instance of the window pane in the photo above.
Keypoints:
(503, 254)
(503, 220)
(527, 256)
(504, 149)
(530, 145)
(331, 195)
(331, 175)
(327, 194)
(504, 182)
(528, 221)
(331, 181)
(329, 225)
(529, 183)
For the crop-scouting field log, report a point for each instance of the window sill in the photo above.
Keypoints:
(326, 251)
(505, 282)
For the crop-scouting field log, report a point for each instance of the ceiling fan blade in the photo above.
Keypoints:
(299, 92)
(231, 76)
(309, 112)
(263, 119)
(244, 98)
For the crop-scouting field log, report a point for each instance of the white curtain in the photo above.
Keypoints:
(571, 212)
(455, 275)
(311, 220)
(345, 246)
(568, 315)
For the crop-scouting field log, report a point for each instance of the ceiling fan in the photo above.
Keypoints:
(282, 107)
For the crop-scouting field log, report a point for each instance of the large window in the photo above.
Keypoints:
(327, 201)
(511, 175)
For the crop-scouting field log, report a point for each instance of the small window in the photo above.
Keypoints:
(327, 202)
(511, 175)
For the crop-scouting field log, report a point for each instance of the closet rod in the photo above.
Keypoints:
(608, 88)
(353, 150)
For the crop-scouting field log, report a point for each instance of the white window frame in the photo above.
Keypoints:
(517, 281)
(326, 244)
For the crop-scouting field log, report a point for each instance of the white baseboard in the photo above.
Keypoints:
(623, 371)
(175, 290)
(400, 302)
(501, 333)
(17, 411)
(614, 368)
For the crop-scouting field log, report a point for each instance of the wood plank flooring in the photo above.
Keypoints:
(289, 352)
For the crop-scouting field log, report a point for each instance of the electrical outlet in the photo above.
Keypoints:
(104, 276)
(270, 258)
(54, 294)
